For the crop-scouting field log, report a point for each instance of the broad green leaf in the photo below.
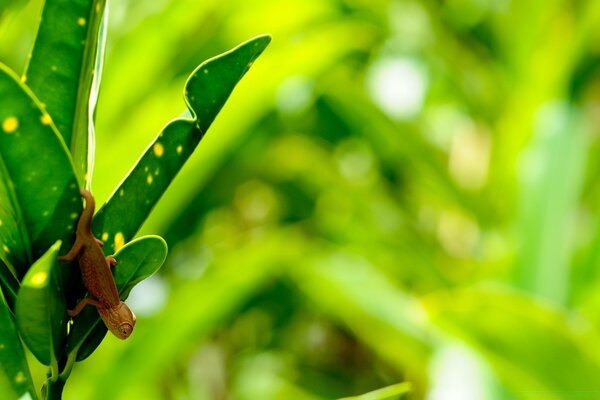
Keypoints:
(41, 311)
(15, 379)
(64, 72)
(393, 392)
(206, 91)
(136, 261)
(531, 347)
(37, 167)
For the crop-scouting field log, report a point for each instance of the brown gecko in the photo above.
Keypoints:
(97, 276)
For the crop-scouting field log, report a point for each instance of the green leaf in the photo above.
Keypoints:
(15, 379)
(15, 250)
(530, 345)
(64, 72)
(9, 285)
(393, 392)
(41, 310)
(206, 91)
(37, 168)
(136, 261)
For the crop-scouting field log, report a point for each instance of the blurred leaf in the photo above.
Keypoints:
(64, 74)
(393, 392)
(37, 167)
(41, 312)
(555, 159)
(15, 379)
(532, 347)
(136, 261)
(356, 293)
(206, 91)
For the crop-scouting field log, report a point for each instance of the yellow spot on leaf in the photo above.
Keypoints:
(20, 378)
(159, 149)
(46, 120)
(39, 278)
(81, 21)
(149, 179)
(121, 193)
(1, 223)
(10, 124)
(98, 7)
(179, 149)
(5, 248)
(119, 241)
(105, 236)
(23, 78)
(73, 215)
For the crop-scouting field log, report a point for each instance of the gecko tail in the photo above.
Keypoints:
(85, 221)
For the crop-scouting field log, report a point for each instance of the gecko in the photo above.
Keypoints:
(97, 276)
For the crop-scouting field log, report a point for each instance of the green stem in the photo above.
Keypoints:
(52, 390)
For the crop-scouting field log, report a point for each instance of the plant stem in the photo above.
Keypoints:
(52, 390)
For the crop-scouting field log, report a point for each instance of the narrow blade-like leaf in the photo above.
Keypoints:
(136, 261)
(63, 68)
(15, 379)
(41, 311)
(206, 91)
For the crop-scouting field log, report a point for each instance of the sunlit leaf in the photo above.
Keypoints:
(206, 91)
(393, 392)
(41, 312)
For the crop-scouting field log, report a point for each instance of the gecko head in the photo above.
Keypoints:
(120, 320)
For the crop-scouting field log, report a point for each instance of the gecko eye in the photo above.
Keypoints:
(125, 330)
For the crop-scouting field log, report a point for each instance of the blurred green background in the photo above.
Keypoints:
(398, 191)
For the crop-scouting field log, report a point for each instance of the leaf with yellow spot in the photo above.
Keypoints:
(65, 69)
(206, 92)
(15, 379)
(37, 181)
(136, 261)
(40, 309)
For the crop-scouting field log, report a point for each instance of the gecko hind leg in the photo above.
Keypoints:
(83, 303)
(100, 242)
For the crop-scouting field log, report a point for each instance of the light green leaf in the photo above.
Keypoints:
(64, 72)
(393, 392)
(41, 311)
(206, 91)
(37, 168)
(530, 345)
(136, 261)
(15, 379)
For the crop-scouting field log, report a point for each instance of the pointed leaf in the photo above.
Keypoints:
(40, 310)
(136, 261)
(8, 284)
(207, 90)
(37, 167)
(15, 379)
(63, 71)
(393, 392)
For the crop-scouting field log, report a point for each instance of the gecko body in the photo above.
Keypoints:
(97, 276)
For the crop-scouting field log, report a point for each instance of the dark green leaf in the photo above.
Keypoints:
(206, 91)
(62, 70)
(9, 285)
(37, 167)
(15, 250)
(15, 379)
(40, 310)
(136, 261)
